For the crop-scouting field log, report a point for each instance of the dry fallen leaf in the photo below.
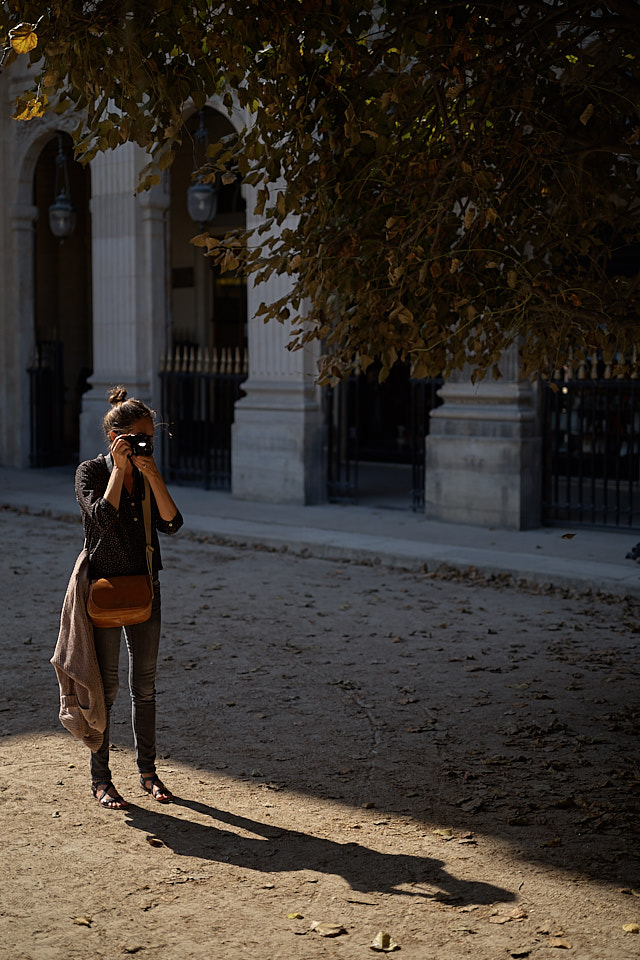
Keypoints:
(631, 927)
(155, 841)
(83, 921)
(445, 832)
(516, 915)
(327, 929)
(295, 916)
(384, 942)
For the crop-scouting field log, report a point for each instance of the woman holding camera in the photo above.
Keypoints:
(110, 491)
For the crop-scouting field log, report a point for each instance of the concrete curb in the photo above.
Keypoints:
(520, 569)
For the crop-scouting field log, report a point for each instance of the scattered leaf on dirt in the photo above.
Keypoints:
(155, 841)
(560, 943)
(83, 921)
(295, 916)
(516, 915)
(445, 832)
(631, 927)
(327, 929)
(384, 942)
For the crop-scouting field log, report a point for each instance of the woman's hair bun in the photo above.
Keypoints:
(117, 395)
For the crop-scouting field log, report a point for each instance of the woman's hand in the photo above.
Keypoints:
(147, 467)
(121, 452)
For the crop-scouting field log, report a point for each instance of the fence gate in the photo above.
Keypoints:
(371, 422)
(199, 392)
(591, 433)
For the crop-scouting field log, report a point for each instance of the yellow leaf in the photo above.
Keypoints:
(631, 927)
(586, 114)
(295, 916)
(445, 832)
(34, 107)
(384, 942)
(23, 38)
(83, 921)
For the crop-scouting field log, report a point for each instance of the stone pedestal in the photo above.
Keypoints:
(484, 454)
(129, 294)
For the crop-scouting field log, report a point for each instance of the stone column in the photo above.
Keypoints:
(129, 292)
(19, 337)
(483, 452)
(278, 435)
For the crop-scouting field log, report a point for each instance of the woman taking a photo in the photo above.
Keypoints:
(110, 491)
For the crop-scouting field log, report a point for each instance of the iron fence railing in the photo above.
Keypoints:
(358, 430)
(199, 392)
(591, 460)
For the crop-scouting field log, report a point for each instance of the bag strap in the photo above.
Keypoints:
(146, 512)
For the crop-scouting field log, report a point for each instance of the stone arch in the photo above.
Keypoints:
(23, 149)
(62, 312)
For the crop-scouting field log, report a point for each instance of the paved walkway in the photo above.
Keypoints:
(375, 533)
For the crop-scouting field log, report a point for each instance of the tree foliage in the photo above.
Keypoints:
(439, 180)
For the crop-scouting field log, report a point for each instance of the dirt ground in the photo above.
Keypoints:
(354, 749)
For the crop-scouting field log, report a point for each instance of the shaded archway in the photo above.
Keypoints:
(62, 358)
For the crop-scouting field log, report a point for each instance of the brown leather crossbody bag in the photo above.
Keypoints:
(122, 601)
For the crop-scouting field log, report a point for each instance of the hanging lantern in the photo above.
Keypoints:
(202, 196)
(62, 216)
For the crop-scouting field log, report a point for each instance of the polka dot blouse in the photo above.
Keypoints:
(116, 541)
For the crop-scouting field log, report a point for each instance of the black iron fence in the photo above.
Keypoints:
(374, 422)
(199, 392)
(46, 381)
(591, 433)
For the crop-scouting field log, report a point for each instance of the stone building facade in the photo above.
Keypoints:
(127, 288)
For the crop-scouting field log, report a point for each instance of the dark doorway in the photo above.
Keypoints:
(62, 358)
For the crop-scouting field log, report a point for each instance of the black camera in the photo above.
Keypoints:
(141, 444)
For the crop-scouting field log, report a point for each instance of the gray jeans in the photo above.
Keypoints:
(142, 641)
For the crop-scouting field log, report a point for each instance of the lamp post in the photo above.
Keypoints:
(202, 196)
(62, 216)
